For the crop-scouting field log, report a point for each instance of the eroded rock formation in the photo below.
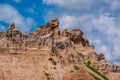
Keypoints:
(48, 55)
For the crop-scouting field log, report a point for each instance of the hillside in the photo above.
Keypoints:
(46, 54)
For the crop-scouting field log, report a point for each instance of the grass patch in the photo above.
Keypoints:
(96, 71)
(96, 78)
(89, 63)
(47, 75)
(53, 61)
(76, 67)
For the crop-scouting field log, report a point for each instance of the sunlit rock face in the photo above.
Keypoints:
(46, 54)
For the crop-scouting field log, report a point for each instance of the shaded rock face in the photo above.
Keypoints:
(101, 57)
(64, 44)
(48, 55)
(113, 68)
(76, 36)
(65, 33)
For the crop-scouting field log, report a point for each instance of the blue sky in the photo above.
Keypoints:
(98, 19)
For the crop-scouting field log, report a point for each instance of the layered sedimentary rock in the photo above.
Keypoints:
(48, 55)
(76, 36)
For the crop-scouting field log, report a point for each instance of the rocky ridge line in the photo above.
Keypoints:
(70, 47)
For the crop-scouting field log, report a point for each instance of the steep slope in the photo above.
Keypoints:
(48, 55)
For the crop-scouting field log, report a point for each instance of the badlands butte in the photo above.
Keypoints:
(48, 54)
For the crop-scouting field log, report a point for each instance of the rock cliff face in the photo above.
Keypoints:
(48, 55)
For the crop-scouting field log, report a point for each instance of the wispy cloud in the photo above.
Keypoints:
(83, 4)
(9, 14)
(32, 10)
(2, 28)
(115, 4)
(70, 4)
(102, 31)
(68, 22)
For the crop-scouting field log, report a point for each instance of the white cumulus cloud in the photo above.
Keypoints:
(9, 14)
(83, 4)
(102, 31)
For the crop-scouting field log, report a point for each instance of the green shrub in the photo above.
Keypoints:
(89, 63)
(53, 61)
(50, 59)
(96, 71)
(76, 67)
(47, 74)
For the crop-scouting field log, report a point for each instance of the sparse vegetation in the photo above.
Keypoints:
(54, 67)
(47, 75)
(96, 71)
(76, 67)
(72, 71)
(89, 63)
(53, 61)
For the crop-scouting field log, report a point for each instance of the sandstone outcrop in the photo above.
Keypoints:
(48, 55)
(76, 35)
(113, 68)
(49, 28)
(101, 57)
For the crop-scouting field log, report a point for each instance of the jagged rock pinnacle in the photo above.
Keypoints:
(54, 22)
(12, 26)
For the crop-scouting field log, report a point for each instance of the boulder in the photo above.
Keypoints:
(54, 23)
